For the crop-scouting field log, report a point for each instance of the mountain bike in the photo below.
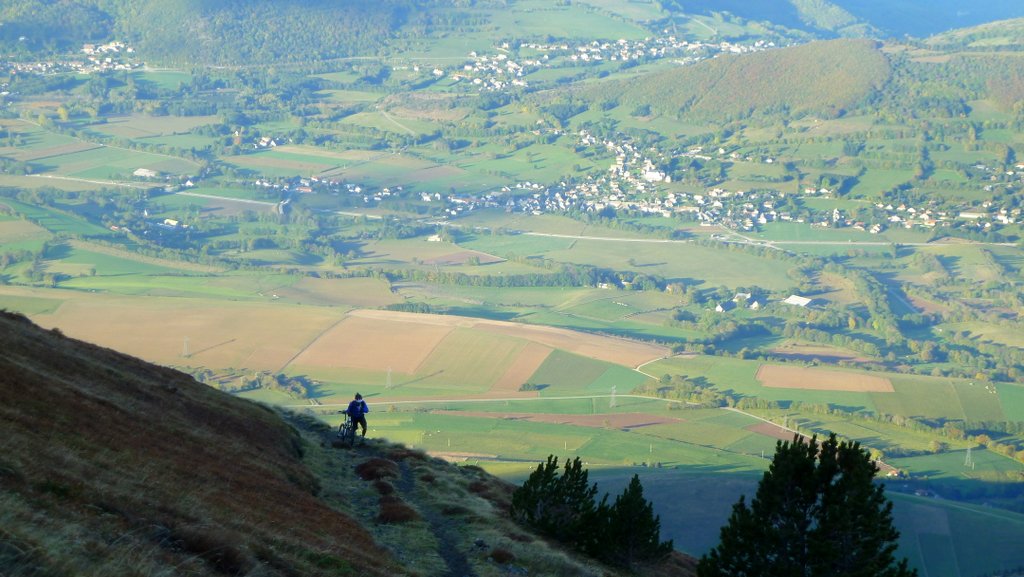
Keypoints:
(347, 431)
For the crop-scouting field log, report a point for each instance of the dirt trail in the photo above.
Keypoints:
(444, 529)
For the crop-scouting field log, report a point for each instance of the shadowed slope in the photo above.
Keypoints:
(109, 465)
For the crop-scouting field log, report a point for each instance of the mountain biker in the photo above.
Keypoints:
(357, 410)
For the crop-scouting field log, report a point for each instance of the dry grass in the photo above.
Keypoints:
(202, 489)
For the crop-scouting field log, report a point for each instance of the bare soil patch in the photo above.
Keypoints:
(607, 421)
(927, 306)
(771, 430)
(783, 377)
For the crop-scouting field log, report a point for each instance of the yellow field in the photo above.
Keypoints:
(19, 230)
(610, 349)
(437, 352)
(785, 377)
(530, 359)
(221, 334)
(374, 344)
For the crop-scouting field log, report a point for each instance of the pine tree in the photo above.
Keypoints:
(631, 531)
(559, 506)
(816, 513)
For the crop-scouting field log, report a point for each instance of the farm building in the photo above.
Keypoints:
(797, 300)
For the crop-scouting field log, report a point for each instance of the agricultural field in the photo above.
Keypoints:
(502, 228)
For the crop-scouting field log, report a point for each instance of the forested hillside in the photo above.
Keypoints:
(211, 32)
(824, 78)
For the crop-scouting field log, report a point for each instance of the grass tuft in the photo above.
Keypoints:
(377, 468)
(394, 510)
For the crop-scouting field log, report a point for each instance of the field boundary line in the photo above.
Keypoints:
(75, 179)
(312, 342)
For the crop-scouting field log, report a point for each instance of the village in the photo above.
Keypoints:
(636, 183)
(96, 58)
(513, 62)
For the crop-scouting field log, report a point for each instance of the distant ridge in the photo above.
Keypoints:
(824, 78)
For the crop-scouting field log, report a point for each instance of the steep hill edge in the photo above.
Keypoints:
(113, 466)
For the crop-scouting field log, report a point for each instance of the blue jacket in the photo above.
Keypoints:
(357, 408)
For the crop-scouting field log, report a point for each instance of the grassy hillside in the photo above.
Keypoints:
(111, 466)
(823, 78)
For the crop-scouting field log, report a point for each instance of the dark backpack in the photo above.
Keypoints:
(355, 409)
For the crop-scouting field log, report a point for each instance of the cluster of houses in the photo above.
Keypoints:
(97, 58)
(512, 63)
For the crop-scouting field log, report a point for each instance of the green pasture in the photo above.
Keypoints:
(174, 284)
(961, 157)
(274, 256)
(345, 96)
(108, 162)
(631, 11)
(540, 18)
(29, 305)
(781, 232)
(17, 234)
(914, 395)
(1012, 399)
(876, 180)
(54, 221)
(544, 223)
(538, 162)
(950, 471)
(183, 141)
(965, 261)
(78, 262)
(165, 79)
(378, 120)
(469, 361)
(339, 77)
(565, 373)
(702, 265)
(641, 328)
(50, 181)
(1000, 334)
(144, 125)
(518, 245)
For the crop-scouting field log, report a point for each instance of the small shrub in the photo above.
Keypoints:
(377, 468)
(383, 487)
(502, 556)
(404, 453)
(394, 510)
